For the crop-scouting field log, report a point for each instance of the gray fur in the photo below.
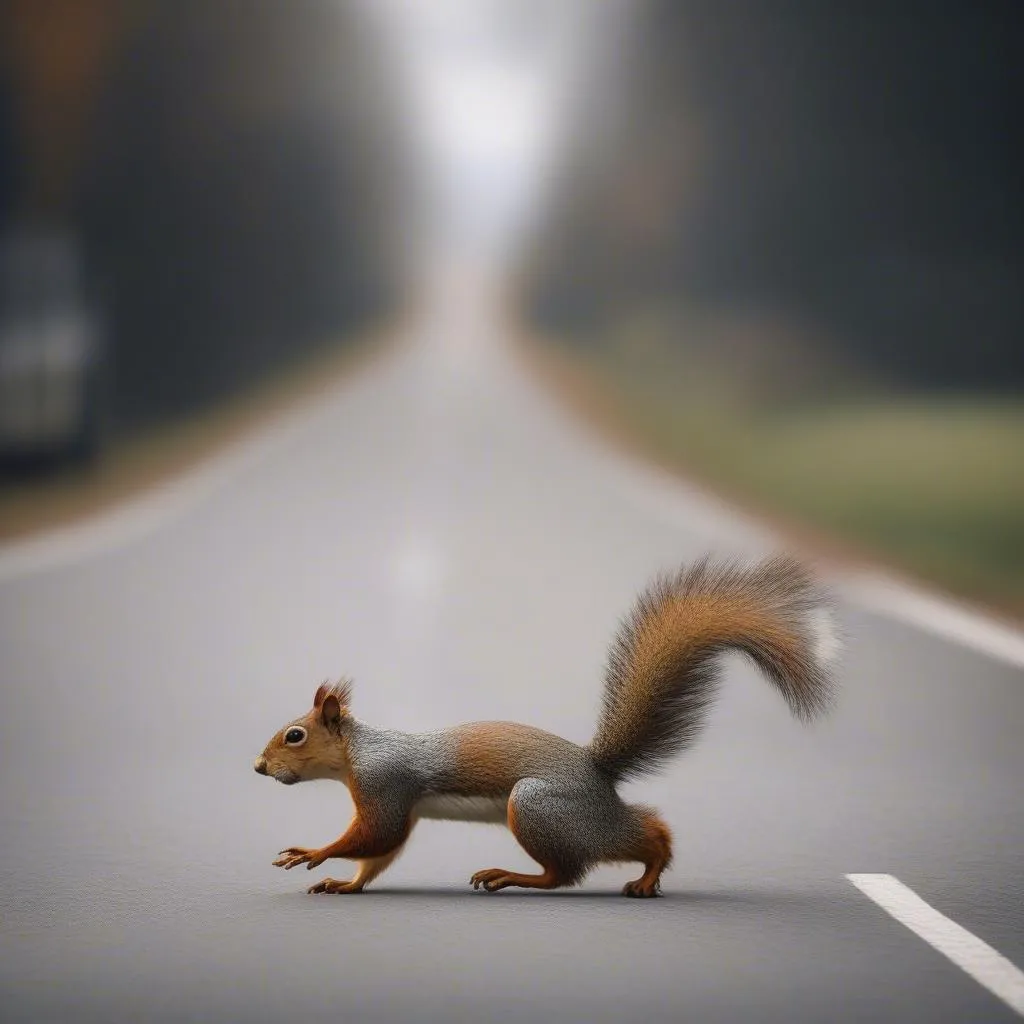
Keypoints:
(575, 824)
(407, 772)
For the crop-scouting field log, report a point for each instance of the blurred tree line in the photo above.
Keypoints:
(231, 168)
(851, 165)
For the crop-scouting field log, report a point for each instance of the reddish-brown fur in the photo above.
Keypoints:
(364, 840)
(491, 757)
(662, 677)
(654, 851)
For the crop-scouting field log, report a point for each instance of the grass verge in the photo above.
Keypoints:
(930, 487)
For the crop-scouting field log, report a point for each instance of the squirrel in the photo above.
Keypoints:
(558, 798)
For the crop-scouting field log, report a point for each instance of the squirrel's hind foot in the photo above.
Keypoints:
(494, 879)
(333, 887)
(642, 889)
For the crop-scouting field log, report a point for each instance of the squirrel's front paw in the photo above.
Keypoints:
(296, 855)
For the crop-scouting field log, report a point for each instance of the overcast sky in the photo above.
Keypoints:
(486, 85)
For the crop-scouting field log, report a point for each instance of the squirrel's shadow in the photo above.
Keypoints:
(752, 898)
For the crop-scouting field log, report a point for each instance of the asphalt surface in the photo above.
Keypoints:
(440, 531)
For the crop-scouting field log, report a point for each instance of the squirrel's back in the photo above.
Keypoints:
(662, 674)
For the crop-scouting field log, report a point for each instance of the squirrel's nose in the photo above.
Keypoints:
(261, 765)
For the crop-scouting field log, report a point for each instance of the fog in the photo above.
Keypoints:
(782, 240)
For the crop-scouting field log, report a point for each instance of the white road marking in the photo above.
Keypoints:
(984, 964)
(937, 615)
(674, 501)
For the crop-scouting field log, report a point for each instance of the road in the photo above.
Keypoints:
(442, 532)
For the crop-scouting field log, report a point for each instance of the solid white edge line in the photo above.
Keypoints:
(671, 499)
(985, 965)
(938, 615)
(143, 514)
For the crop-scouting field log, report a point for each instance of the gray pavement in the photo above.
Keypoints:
(441, 532)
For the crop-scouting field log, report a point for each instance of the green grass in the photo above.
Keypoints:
(932, 486)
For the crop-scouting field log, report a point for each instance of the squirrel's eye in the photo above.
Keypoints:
(295, 736)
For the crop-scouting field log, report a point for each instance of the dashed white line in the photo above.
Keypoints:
(976, 958)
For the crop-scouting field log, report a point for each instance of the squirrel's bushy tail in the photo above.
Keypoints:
(662, 675)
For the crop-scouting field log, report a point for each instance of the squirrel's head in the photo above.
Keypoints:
(313, 746)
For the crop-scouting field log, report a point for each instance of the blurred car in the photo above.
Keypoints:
(52, 353)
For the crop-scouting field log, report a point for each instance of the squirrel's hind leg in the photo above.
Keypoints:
(650, 844)
(538, 814)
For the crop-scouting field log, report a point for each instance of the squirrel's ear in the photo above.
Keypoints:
(332, 700)
(341, 689)
(330, 711)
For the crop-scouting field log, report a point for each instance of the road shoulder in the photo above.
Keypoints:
(30, 508)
